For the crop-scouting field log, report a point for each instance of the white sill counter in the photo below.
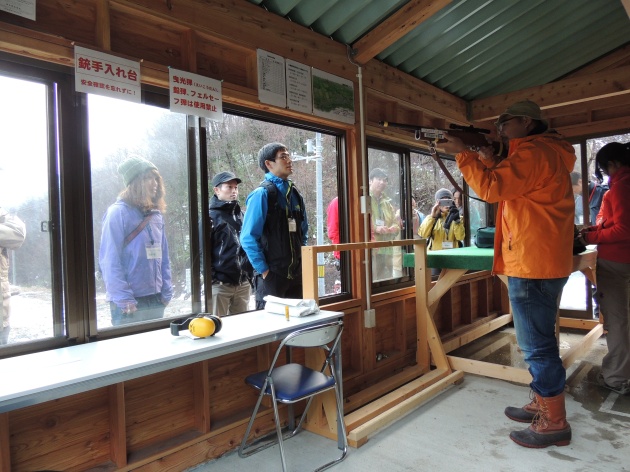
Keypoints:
(36, 378)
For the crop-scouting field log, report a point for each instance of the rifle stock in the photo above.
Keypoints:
(473, 138)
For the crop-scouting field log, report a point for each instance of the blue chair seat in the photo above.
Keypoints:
(292, 382)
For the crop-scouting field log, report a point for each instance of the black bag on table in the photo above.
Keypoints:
(485, 237)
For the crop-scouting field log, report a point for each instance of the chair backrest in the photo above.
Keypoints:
(314, 336)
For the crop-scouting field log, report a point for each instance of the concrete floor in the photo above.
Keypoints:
(464, 428)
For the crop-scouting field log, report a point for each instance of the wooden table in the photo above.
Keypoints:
(454, 263)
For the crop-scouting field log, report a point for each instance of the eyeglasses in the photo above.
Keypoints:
(500, 125)
(285, 156)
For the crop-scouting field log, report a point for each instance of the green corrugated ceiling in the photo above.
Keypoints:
(477, 48)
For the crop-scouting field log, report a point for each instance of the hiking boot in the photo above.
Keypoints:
(525, 414)
(549, 427)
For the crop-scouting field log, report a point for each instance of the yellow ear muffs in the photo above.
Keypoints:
(208, 325)
(201, 326)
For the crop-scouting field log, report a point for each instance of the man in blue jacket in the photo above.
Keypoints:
(275, 228)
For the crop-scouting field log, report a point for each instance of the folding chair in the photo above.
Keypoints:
(293, 382)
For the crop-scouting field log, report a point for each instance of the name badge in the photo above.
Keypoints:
(380, 222)
(292, 225)
(447, 245)
(154, 251)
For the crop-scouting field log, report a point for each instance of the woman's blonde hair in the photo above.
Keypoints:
(135, 193)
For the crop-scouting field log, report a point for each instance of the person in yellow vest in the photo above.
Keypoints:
(443, 227)
(385, 225)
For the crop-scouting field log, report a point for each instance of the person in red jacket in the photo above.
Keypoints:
(533, 247)
(612, 236)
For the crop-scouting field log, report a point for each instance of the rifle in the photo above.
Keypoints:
(473, 138)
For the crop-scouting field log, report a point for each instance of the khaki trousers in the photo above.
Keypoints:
(613, 294)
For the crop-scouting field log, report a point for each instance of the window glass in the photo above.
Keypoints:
(233, 146)
(427, 178)
(476, 214)
(386, 201)
(140, 201)
(576, 181)
(27, 292)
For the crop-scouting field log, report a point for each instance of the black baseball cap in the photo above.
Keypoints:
(223, 177)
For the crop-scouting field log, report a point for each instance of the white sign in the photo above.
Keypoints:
(194, 94)
(271, 79)
(103, 74)
(299, 93)
(25, 8)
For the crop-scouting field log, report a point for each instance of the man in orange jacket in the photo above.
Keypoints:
(533, 248)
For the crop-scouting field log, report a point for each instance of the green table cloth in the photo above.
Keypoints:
(471, 258)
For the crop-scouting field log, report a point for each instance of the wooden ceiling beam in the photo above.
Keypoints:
(389, 81)
(103, 36)
(556, 94)
(617, 58)
(395, 27)
(595, 128)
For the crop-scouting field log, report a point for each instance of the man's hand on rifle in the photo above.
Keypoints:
(487, 153)
(453, 144)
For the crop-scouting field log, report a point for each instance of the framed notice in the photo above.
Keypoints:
(195, 94)
(104, 74)
(272, 85)
(333, 97)
(299, 92)
(24, 8)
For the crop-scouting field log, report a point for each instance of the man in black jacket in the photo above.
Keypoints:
(231, 271)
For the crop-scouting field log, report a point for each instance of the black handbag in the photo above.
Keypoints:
(485, 237)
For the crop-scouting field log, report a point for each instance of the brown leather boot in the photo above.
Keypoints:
(525, 414)
(549, 427)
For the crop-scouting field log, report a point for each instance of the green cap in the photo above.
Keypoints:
(133, 167)
(524, 108)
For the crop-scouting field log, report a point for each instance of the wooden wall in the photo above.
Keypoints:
(178, 418)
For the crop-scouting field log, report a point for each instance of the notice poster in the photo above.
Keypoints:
(299, 96)
(333, 97)
(195, 94)
(271, 79)
(103, 74)
(24, 8)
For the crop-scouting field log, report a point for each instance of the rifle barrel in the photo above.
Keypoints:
(470, 129)
(390, 124)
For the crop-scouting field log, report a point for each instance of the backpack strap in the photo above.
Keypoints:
(272, 192)
(590, 197)
(272, 195)
(131, 236)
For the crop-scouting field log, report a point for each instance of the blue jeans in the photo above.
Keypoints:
(535, 304)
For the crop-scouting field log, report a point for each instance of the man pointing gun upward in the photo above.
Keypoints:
(533, 248)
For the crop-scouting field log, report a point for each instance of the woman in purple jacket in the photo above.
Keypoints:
(133, 257)
(612, 236)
